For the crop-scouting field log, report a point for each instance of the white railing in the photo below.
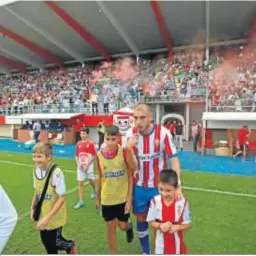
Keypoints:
(175, 96)
(242, 105)
(86, 108)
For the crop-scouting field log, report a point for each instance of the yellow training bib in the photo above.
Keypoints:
(60, 218)
(114, 187)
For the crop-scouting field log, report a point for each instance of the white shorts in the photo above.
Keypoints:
(82, 176)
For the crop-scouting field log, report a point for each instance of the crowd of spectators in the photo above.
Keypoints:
(109, 86)
(232, 82)
(183, 78)
(66, 90)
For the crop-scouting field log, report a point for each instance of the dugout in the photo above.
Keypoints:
(66, 136)
(224, 126)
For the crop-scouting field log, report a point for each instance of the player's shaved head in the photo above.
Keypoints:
(142, 107)
(142, 118)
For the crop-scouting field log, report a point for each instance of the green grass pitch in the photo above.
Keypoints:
(222, 224)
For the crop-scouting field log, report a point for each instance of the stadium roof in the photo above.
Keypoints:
(39, 33)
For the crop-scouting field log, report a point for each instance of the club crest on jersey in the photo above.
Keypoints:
(157, 142)
(57, 175)
(179, 210)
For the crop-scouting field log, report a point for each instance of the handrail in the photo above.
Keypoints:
(86, 108)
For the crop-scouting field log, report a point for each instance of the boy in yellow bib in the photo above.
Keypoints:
(53, 215)
(115, 167)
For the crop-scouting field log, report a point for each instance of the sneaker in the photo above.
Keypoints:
(93, 194)
(129, 234)
(79, 205)
(72, 250)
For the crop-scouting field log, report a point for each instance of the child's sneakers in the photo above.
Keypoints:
(129, 233)
(79, 205)
(93, 194)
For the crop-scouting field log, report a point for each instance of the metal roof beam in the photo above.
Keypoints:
(161, 24)
(113, 20)
(44, 54)
(160, 50)
(86, 35)
(21, 58)
(12, 64)
(39, 29)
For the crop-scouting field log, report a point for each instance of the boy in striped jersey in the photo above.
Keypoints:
(169, 216)
(155, 145)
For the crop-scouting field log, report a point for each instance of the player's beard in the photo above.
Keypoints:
(146, 128)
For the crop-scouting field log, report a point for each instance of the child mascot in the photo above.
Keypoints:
(123, 119)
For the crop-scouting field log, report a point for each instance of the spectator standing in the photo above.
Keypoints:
(195, 134)
(37, 130)
(94, 100)
(243, 135)
(179, 136)
(78, 128)
(106, 103)
(101, 132)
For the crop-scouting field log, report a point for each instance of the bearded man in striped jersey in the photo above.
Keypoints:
(155, 146)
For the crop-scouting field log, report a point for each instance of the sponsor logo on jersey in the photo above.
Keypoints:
(114, 174)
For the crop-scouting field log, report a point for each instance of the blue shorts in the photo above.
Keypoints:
(142, 197)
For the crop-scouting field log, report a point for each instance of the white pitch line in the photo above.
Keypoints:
(230, 193)
(29, 165)
(72, 190)
(184, 187)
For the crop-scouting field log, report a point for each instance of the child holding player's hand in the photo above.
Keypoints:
(169, 216)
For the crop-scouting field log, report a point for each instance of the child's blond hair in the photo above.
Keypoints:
(44, 148)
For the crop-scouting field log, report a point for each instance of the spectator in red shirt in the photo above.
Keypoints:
(243, 135)
(167, 125)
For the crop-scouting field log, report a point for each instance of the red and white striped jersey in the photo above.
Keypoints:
(178, 211)
(152, 152)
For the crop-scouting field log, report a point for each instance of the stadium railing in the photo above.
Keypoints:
(234, 105)
(60, 108)
(173, 96)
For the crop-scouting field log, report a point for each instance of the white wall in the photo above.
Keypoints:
(6, 131)
(230, 124)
